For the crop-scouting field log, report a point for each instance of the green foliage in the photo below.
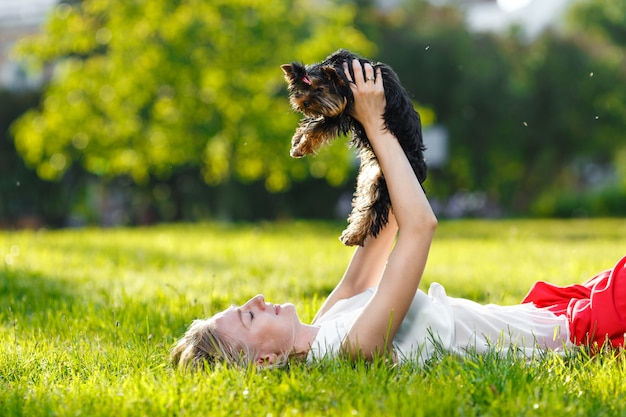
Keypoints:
(152, 89)
(605, 201)
(520, 113)
(88, 318)
(24, 198)
(141, 87)
(603, 18)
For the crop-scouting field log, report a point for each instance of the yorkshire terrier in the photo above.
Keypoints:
(322, 93)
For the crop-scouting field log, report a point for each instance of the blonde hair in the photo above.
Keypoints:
(203, 345)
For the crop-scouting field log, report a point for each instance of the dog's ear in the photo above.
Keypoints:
(331, 73)
(294, 73)
(288, 71)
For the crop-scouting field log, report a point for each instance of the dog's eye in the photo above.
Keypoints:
(320, 89)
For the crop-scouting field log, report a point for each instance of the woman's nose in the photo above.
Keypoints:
(258, 301)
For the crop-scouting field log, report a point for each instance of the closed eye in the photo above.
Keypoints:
(251, 315)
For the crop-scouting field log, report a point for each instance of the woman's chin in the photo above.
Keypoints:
(288, 308)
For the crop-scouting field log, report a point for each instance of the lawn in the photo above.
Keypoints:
(88, 317)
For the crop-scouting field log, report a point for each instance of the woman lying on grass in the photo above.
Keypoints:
(376, 310)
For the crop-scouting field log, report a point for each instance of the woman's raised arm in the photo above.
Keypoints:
(374, 330)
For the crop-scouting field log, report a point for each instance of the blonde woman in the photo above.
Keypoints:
(376, 310)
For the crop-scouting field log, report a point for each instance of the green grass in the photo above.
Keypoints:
(88, 317)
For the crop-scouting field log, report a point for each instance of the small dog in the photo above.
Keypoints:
(322, 93)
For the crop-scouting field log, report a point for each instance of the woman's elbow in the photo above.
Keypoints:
(426, 223)
(431, 221)
(422, 226)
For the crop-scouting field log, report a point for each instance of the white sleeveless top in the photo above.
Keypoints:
(451, 324)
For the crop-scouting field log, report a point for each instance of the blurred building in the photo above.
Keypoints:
(531, 16)
(20, 18)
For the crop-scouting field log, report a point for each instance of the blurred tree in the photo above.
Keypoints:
(598, 27)
(519, 113)
(161, 90)
(26, 200)
(602, 18)
(141, 87)
(563, 122)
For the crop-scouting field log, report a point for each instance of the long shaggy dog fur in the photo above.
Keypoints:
(321, 92)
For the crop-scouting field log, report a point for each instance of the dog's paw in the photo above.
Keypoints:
(297, 141)
(298, 151)
(301, 146)
(350, 238)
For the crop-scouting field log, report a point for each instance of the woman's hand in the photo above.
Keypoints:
(369, 94)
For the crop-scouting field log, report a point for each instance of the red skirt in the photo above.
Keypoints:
(596, 310)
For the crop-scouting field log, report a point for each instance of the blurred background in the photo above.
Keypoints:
(133, 112)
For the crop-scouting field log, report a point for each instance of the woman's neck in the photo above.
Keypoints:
(304, 338)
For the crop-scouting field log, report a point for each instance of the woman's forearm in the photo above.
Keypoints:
(365, 267)
(410, 205)
(381, 318)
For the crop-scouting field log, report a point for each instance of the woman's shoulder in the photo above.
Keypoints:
(346, 306)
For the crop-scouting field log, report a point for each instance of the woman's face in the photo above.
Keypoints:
(267, 328)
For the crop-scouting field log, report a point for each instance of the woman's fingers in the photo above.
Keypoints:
(358, 71)
(363, 74)
(347, 72)
(369, 72)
